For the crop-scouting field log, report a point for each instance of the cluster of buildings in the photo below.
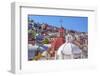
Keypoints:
(44, 40)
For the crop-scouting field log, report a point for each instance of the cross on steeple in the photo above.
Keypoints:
(61, 21)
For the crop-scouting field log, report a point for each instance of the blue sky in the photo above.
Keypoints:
(68, 22)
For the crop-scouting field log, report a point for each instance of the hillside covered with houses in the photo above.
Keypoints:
(45, 42)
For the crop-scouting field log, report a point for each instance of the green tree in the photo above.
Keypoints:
(46, 41)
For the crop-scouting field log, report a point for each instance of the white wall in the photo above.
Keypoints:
(5, 33)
